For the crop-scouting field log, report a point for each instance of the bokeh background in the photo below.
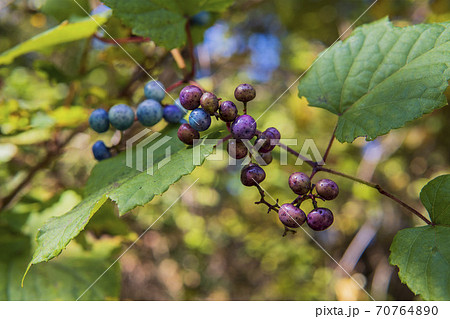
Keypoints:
(214, 243)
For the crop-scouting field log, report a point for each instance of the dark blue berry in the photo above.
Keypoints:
(228, 111)
(201, 19)
(121, 116)
(244, 127)
(200, 120)
(173, 113)
(99, 120)
(190, 97)
(100, 151)
(320, 219)
(154, 90)
(149, 112)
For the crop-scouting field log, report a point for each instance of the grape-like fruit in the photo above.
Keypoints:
(291, 216)
(320, 219)
(201, 19)
(200, 120)
(244, 93)
(266, 158)
(237, 149)
(154, 90)
(173, 113)
(209, 102)
(100, 151)
(190, 97)
(273, 134)
(299, 183)
(252, 175)
(244, 127)
(228, 111)
(149, 112)
(265, 143)
(121, 116)
(99, 120)
(187, 134)
(327, 189)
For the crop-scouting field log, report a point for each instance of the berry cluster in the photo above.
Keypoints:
(121, 116)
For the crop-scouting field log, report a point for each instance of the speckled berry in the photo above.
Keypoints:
(209, 102)
(100, 151)
(327, 189)
(173, 113)
(99, 120)
(244, 93)
(252, 174)
(187, 134)
(273, 134)
(237, 149)
(299, 183)
(154, 90)
(228, 111)
(200, 120)
(244, 127)
(264, 143)
(320, 219)
(190, 97)
(291, 216)
(149, 112)
(121, 116)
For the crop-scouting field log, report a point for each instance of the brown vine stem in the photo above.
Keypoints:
(330, 143)
(263, 201)
(379, 189)
(298, 155)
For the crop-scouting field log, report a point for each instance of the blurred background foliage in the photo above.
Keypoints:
(214, 243)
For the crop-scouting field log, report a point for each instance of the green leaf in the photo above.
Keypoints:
(422, 255)
(65, 32)
(66, 278)
(125, 185)
(163, 20)
(381, 77)
(435, 196)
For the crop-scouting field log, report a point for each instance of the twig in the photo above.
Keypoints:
(263, 201)
(330, 143)
(174, 85)
(293, 152)
(379, 189)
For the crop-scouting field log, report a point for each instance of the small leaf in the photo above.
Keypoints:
(124, 184)
(435, 196)
(162, 20)
(422, 255)
(65, 32)
(381, 77)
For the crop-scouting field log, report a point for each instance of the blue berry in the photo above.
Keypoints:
(173, 114)
(149, 112)
(99, 120)
(154, 90)
(201, 19)
(121, 116)
(100, 151)
(200, 120)
(183, 121)
(244, 127)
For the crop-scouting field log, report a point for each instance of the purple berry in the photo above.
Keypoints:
(228, 111)
(266, 158)
(237, 149)
(252, 175)
(320, 219)
(244, 93)
(291, 216)
(264, 143)
(209, 102)
(273, 134)
(187, 134)
(173, 113)
(190, 97)
(299, 183)
(327, 189)
(244, 127)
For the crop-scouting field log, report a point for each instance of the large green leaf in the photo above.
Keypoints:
(162, 20)
(422, 254)
(381, 77)
(125, 185)
(65, 32)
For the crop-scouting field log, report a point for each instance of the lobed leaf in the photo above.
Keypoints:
(381, 77)
(163, 20)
